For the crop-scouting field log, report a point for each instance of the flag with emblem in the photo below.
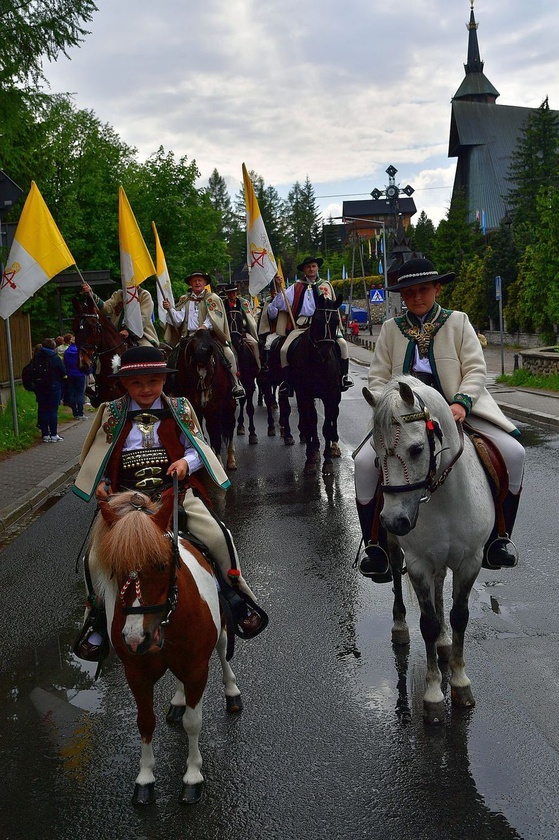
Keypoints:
(135, 264)
(38, 253)
(262, 266)
(164, 289)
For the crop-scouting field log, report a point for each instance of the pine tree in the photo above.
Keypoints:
(534, 164)
(221, 201)
(422, 236)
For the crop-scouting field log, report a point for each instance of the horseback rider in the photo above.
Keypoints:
(113, 308)
(238, 313)
(266, 327)
(440, 347)
(299, 301)
(201, 309)
(137, 443)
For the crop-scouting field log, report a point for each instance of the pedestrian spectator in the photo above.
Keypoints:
(62, 344)
(48, 391)
(354, 327)
(76, 379)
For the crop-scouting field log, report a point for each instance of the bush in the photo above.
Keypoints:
(29, 434)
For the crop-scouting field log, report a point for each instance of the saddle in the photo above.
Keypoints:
(495, 469)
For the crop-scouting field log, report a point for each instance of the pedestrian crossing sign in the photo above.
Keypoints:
(377, 295)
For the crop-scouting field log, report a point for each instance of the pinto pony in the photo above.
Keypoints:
(162, 613)
(424, 456)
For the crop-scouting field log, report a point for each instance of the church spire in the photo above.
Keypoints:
(475, 87)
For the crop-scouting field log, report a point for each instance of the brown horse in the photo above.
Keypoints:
(248, 372)
(98, 341)
(204, 380)
(163, 613)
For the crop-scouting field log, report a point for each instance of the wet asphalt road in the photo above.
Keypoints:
(331, 743)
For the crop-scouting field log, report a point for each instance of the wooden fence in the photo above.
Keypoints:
(20, 331)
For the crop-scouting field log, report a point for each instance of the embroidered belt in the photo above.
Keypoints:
(144, 470)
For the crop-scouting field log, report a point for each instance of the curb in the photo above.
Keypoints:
(518, 412)
(35, 498)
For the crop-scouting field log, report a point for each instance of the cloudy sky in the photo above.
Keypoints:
(334, 89)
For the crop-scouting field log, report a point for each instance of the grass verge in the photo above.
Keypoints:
(29, 434)
(525, 379)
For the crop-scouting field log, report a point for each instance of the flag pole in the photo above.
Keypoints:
(162, 290)
(11, 373)
(284, 296)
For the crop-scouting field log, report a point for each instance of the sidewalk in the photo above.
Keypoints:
(28, 479)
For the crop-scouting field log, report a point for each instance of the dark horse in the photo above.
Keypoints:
(98, 341)
(248, 372)
(204, 380)
(314, 372)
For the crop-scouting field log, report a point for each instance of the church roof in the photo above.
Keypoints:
(484, 137)
(475, 86)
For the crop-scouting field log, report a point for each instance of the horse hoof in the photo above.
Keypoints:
(462, 697)
(434, 713)
(174, 714)
(271, 431)
(144, 794)
(191, 794)
(302, 439)
(335, 450)
(400, 636)
(288, 440)
(240, 430)
(234, 705)
(253, 438)
(231, 465)
(328, 468)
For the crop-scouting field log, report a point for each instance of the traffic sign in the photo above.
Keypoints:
(498, 287)
(377, 295)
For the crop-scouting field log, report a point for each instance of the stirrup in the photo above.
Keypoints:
(375, 564)
(238, 392)
(503, 542)
(347, 382)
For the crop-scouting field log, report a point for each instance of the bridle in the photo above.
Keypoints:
(92, 349)
(329, 334)
(133, 581)
(431, 482)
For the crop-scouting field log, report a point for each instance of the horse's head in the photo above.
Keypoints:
(407, 439)
(87, 331)
(131, 540)
(326, 319)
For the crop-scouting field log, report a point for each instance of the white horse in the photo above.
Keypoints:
(422, 450)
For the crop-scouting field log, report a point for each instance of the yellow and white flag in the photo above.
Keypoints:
(135, 264)
(164, 288)
(261, 263)
(38, 253)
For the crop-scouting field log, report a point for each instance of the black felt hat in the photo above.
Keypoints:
(140, 361)
(416, 271)
(203, 274)
(307, 260)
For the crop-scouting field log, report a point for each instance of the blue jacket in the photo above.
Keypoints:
(72, 361)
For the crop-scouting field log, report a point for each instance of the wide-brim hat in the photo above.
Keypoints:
(416, 271)
(307, 260)
(138, 361)
(230, 287)
(203, 274)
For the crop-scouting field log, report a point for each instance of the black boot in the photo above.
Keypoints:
(347, 381)
(92, 644)
(374, 563)
(500, 551)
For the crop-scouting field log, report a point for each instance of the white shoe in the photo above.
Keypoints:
(56, 438)
(47, 439)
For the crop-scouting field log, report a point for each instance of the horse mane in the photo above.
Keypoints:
(134, 540)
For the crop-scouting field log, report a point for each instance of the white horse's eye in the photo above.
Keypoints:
(416, 449)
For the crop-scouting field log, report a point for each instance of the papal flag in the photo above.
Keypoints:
(38, 253)
(261, 263)
(135, 264)
(164, 289)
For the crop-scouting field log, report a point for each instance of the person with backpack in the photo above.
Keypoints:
(49, 375)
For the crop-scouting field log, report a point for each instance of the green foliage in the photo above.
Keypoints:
(525, 379)
(469, 291)
(29, 434)
(33, 31)
(422, 236)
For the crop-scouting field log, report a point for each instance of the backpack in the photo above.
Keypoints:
(37, 375)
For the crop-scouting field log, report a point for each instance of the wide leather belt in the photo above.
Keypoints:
(423, 376)
(144, 470)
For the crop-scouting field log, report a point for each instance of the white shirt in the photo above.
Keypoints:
(177, 316)
(308, 305)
